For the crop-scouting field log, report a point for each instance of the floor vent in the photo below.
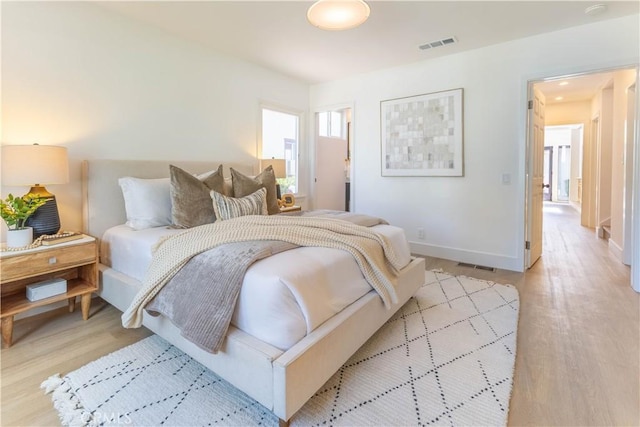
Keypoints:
(477, 267)
(438, 43)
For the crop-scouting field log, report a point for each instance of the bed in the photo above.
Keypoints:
(281, 377)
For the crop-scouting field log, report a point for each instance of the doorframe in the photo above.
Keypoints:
(313, 137)
(550, 172)
(635, 265)
(627, 255)
(635, 220)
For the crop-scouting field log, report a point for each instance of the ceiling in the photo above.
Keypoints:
(276, 35)
(573, 89)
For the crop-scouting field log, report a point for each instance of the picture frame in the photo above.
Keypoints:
(422, 135)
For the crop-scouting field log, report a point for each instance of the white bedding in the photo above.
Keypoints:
(283, 297)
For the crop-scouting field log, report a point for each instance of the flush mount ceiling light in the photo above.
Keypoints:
(596, 9)
(334, 15)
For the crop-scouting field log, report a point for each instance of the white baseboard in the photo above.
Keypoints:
(472, 257)
(615, 249)
(575, 205)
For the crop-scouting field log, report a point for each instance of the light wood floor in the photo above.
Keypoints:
(577, 362)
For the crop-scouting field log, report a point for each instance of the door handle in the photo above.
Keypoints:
(545, 186)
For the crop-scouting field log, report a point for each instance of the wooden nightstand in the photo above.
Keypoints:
(76, 261)
(294, 208)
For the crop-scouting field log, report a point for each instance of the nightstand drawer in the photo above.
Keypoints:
(47, 261)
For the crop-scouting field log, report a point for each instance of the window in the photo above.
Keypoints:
(331, 124)
(280, 140)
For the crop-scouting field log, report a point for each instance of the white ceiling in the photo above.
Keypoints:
(579, 88)
(276, 35)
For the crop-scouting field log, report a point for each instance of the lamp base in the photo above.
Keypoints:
(46, 219)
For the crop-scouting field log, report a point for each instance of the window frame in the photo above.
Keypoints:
(301, 146)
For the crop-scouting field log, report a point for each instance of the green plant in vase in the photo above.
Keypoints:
(16, 210)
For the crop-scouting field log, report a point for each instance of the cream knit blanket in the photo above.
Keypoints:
(372, 251)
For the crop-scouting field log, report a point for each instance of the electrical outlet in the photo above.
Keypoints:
(420, 233)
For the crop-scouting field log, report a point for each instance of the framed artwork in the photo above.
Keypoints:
(422, 135)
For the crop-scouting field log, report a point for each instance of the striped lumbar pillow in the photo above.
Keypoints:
(230, 207)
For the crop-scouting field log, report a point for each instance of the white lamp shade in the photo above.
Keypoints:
(337, 15)
(279, 166)
(34, 164)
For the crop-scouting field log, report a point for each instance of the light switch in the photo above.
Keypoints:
(506, 178)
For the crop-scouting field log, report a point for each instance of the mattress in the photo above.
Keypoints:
(283, 297)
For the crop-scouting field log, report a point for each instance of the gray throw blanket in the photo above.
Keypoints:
(212, 278)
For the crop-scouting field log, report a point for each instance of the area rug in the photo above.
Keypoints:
(446, 358)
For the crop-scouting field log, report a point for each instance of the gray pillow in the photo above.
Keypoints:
(244, 185)
(190, 200)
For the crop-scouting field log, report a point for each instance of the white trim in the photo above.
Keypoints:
(635, 218)
(627, 238)
(303, 185)
(463, 255)
(615, 249)
(528, 182)
(524, 159)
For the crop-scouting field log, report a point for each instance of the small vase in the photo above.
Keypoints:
(19, 238)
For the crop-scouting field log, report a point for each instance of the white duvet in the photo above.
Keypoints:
(283, 297)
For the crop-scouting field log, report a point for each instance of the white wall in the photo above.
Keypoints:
(105, 86)
(474, 218)
(602, 108)
(621, 82)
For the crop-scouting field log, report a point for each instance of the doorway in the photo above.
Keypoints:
(590, 187)
(333, 181)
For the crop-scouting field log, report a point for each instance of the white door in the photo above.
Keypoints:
(536, 183)
(330, 173)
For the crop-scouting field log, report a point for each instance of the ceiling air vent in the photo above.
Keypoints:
(438, 43)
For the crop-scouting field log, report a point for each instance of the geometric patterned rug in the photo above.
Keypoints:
(446, 358)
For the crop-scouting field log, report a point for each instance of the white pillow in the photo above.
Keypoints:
(146, 201)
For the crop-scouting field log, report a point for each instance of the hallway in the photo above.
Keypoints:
(578, 352)
(578, 356)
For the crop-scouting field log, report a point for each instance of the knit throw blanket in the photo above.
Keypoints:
(372, 251)
(200, 299)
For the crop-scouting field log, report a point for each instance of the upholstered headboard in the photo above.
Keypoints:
(102, 200)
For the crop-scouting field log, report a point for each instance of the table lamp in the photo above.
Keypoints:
(37, 165)
(279, 170)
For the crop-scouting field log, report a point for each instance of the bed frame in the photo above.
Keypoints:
(282, 381)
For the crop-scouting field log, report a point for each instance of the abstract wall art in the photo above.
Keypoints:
(423, 135)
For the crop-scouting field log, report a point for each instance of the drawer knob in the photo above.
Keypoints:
(52, 260)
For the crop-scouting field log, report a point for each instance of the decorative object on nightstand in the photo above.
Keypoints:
(75, 262)
(288, 203)
(15, 211)
(288, 200)
(36, 165)
(294, 208)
